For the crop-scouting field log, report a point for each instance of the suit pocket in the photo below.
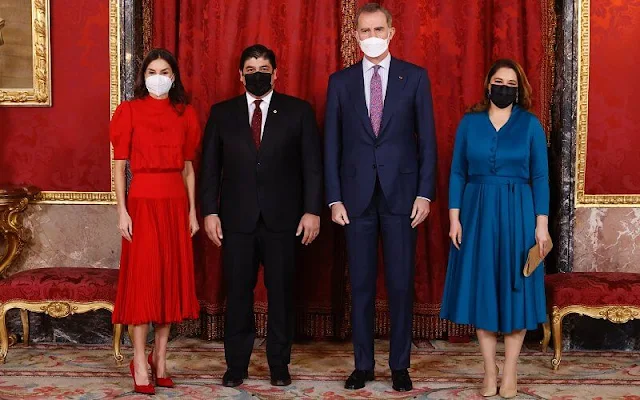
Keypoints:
(408, 170)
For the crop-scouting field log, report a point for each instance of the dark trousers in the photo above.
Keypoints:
(242, 255)
(399, 244)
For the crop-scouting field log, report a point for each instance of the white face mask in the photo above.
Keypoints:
(374, 46)
(158, 85)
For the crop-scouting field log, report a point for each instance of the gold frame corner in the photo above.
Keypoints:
(40, 94)
(583, 199)
(74, 197)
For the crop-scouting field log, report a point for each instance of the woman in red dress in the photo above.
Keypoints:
(159, 134)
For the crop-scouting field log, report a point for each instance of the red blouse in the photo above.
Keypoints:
(153, 136)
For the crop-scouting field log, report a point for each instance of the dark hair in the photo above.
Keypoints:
(258, 51)
(524, 88)
(371, 8)
(177, 94)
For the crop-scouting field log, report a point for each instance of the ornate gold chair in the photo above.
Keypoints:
(613, 296)
(58, 292)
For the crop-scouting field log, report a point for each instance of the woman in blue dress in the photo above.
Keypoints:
(498, 209)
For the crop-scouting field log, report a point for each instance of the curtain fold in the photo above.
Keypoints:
(455, 40)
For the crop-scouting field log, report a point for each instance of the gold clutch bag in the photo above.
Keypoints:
(533, 259)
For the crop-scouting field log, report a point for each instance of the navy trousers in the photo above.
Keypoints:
(399, 245)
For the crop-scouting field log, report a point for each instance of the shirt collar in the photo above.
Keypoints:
(385, 63)
(266, 99)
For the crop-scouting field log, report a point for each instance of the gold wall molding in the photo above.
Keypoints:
(40, 93)
(65, 197)
(583, 199)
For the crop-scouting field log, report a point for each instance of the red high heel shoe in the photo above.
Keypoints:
(144, 389)
(162, 382)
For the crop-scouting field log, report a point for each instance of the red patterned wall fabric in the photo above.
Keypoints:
(65, 147)
(613, 127)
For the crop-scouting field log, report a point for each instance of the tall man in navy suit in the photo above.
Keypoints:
(380, 176)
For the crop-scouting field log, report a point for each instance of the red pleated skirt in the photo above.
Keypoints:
(156, 282)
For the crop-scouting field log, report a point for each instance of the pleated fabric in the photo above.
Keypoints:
(156, 282)
(485, 286)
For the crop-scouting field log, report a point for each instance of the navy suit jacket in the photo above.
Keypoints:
(403, 156)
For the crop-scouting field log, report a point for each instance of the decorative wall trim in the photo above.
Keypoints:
(348, 45)
(583, 199)
(549, 23)
(66, 197)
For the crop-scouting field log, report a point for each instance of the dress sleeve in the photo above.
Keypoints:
(459, 166)
(120, 131)
(539, 168)
(194, 135)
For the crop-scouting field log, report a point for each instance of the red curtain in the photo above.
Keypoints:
(455, 41)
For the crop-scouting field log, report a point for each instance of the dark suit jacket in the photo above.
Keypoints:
(281, 181)
(403, 156)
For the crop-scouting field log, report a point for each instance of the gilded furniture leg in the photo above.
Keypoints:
(55, 309)
(130, 332)
(117, 339)
(4, 338)
(13, 202)
(24, 316)
(546, 329)
(617, 314)
(557, 338)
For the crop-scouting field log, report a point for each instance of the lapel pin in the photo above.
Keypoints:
(400, 77)
(275, 111)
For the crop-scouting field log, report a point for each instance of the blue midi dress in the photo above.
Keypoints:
(499, 181)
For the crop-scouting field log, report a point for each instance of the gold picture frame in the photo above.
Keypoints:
(62, 197)
(39, 93)
(583, 199)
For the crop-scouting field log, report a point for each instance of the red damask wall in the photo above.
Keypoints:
(613, 159)
(65, 147)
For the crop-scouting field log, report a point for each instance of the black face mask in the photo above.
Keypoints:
(502, 95)
(258, 83)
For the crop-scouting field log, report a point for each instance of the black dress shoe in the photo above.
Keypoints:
(358, 378)
(401, 380)
(234, 377)
(280, 376)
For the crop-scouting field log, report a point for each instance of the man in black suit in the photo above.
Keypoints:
(261, 187)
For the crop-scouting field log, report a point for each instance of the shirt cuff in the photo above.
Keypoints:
(424, 198)
(335, 202)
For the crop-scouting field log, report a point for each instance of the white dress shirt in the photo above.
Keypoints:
(264, 106)
(367, 74)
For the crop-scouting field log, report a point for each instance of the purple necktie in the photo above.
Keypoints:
(375, 101)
